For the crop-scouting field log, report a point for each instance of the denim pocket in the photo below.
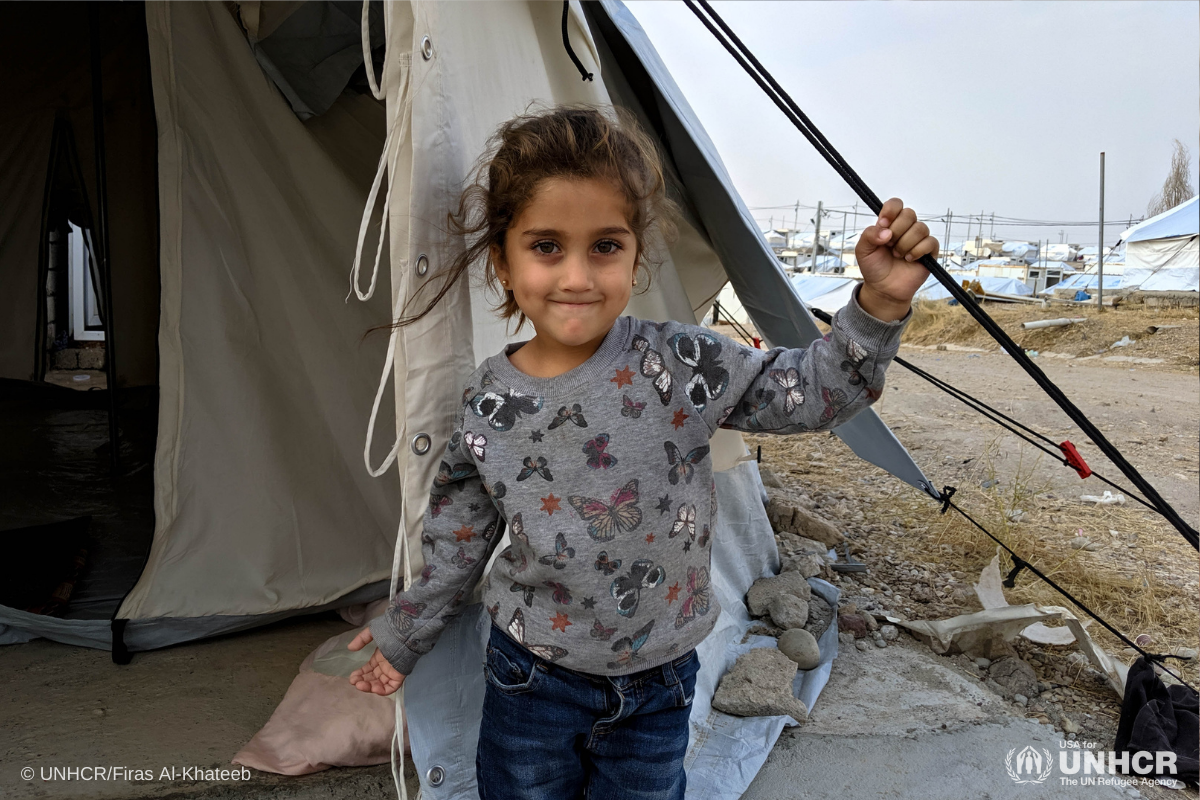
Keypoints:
(507, 668)
(686, 668)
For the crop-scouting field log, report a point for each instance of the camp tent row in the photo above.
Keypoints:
(243, 143)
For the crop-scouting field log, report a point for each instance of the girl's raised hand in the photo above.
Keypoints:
(377, 675)
(888, 254)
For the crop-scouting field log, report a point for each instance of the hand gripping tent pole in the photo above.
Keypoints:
(746, 59)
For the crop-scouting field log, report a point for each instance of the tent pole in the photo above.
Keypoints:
(1100, 249)
(110, 348)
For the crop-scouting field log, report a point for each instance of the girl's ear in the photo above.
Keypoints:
(496, 254)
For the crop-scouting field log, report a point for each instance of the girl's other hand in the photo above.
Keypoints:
(377, 675)
(888, 254)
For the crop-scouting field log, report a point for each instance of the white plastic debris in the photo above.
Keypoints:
(1124, 341)
(1107, 499)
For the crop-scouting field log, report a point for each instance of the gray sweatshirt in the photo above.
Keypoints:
(603, 479)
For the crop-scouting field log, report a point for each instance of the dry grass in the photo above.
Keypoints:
(936, 323)
(1150, 588)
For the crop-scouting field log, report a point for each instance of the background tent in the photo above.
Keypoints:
(1168, 247)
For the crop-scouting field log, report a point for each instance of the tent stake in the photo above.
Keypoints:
(110, 346)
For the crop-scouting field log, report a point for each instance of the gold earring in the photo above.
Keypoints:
(635, 279)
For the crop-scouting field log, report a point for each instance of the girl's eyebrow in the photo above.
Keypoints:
(610, 231)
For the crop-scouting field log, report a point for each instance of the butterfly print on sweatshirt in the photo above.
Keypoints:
(558, 559)
(448, 475)
(503, 409)
(538, 466)
(574, 415)
(793, 384)
(697, 602)
(702, 353)
(600, 632)
(834, 399)
(437, 502)
(526, 590)
(631, 409)
(596, 457)
(406, 614)
(516, 629)
(627, 589)
(752, 408)
(562, 595)
(605, 565)
(653, 366)
(627, 648)
(685, 522)
(606, 520)
(477, 444)
(683, 466)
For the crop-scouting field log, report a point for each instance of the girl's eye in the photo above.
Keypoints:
(545, 247)
(608, 247)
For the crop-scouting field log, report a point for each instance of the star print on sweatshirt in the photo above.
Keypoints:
(602, 479)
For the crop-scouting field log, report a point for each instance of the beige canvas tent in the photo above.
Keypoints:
(262, 506)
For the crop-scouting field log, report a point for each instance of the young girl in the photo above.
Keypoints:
(590, 443)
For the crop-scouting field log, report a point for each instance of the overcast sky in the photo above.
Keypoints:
(971, 106)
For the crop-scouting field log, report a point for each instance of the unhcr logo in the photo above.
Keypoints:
(1030, 765)
(1085, 766)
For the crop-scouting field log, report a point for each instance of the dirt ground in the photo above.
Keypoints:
(1139, 574)
(197, 704)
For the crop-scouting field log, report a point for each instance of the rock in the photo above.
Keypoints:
(1186, 652)
(807, 564)
(769, 478)
(1079, 542)
(872, 625)
(67, 359)
(800, 646)
(1069, 725)
(758, 599)
(880, 643)
(1020, 699)
(91, 358)
(1014, 676)
(982, 663)
(792, 519)
(863, 645)
(845, 639)
(820, 616)
(890, 633)
(788, 611)
(853, 624)
(760, 685)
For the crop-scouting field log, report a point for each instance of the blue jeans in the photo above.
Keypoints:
(551, 733)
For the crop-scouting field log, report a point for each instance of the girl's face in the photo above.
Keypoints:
(569, 259)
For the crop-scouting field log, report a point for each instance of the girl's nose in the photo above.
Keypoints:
(577, 273)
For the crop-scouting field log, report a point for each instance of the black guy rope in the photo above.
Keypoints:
(998, 417)
(587, 76)
(730, 41)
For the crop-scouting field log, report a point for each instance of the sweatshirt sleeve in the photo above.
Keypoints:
(784, 390)
(460, 531)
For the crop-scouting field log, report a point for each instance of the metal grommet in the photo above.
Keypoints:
(426, 48)
(422, 264)
(421, 443)
(436, 775)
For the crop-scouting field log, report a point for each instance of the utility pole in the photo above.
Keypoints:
(855, 226)
(992, 229)
(1100, 250)
(795, 225)
(842, 248)
(816, 238)
(949, 221)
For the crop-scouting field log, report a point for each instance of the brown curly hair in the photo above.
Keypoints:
(574, 141)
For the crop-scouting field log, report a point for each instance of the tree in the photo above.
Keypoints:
(1177, 188)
